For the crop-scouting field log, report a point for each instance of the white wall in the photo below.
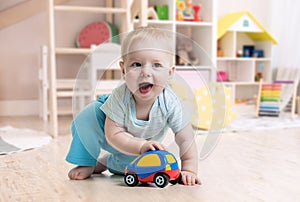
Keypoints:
(261, 9)
(285, 26)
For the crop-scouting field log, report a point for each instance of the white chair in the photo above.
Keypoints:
(89, 83)
(104, 58)
(92, 79)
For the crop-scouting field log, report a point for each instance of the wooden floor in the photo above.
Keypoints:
(248, 166)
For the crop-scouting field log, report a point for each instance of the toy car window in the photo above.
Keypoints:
(170, 158)
(149, 160)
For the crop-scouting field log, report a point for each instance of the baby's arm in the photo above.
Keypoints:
(188, 155)
(126, 143)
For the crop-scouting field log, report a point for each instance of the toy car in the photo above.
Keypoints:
(156, 166)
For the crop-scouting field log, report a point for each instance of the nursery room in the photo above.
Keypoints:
(211, 90)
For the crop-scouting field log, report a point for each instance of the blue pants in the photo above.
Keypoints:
(89, 138)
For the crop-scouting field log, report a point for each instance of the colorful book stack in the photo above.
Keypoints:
(270, 100)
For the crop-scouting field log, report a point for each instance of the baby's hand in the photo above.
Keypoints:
(189, 178)
(151, 145)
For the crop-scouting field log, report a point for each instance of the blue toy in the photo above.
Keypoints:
(156, 166)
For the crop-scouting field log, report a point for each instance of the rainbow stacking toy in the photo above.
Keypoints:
(270, 100)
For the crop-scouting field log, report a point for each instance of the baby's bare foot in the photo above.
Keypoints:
(81, 172)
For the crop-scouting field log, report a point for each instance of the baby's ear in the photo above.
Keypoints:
(171, 72)
(121, 63)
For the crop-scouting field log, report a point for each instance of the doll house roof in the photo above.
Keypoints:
(244, 22)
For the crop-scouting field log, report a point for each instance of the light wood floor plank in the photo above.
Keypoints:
(248, 166)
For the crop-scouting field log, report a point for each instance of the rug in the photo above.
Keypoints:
(20, 139)
(247, 121)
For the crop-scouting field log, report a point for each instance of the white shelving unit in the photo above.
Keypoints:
(235, 31)
(203, 33)
(62, 88)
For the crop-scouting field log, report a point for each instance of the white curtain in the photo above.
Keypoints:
(285, 23)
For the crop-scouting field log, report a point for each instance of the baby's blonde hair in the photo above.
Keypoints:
(145, 34)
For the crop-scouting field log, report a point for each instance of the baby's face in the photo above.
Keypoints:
(147, 70)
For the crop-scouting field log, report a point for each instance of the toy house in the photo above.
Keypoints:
(244, 53)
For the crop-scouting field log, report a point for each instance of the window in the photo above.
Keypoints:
(170, 158)
(149, 160)
(246, 23)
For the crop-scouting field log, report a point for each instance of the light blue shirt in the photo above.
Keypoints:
(166, 112)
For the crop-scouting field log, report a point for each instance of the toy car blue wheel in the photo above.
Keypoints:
(131, 179)
(161, 180)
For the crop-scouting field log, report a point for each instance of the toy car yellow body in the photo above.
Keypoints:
(156, 166)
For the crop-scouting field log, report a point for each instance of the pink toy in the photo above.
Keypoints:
(222, 76)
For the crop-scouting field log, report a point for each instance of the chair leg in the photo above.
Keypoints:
(257, 103)
(298, 105)
(294, 99)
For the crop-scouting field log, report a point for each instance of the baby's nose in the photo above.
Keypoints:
(146, 71)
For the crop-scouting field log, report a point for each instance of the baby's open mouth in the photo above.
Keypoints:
(145, 87)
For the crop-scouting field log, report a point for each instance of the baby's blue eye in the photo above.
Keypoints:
(136, 64)
(156, 65)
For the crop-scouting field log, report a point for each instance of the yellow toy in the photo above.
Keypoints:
(184, 10)
(214, 105)
(180, 5)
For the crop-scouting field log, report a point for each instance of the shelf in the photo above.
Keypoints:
(242, 83)
(178, 23)
(180, 67)
(72, 93)
(243, 59)
(191, 23)
(63, 85)
(88, 9)
(65, 111)
(156, 22)
(73, 50)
